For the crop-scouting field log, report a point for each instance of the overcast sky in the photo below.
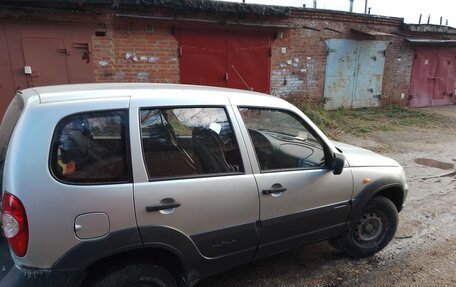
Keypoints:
(410, 10)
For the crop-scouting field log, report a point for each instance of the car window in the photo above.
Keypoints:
(282, 140)
(188, 142)
(91, 148)
(7, 126)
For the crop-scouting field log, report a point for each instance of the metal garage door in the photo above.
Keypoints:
(47, 63)
(223, 58)
(433, 77)
(56, 54)
(6, 78)
(354, 73)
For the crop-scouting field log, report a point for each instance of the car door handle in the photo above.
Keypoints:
(158, 207)
(275, 188)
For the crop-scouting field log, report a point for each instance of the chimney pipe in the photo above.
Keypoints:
(369, 11)
(419, 20)
(315, 4)
(446, 22)
(351, 6)
(441, 19)
(429, 18)
(365, 7)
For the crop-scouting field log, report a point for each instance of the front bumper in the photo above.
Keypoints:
(39, 278)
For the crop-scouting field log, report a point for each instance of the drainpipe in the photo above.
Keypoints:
(351, 6)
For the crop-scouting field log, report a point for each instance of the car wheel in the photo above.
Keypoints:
(372, 231)
(138, 275)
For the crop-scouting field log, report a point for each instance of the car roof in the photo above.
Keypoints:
(61, 93)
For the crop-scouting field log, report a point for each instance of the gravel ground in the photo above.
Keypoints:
(423, 252)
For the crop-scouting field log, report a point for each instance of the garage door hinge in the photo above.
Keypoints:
(327, 99)
(84, 46)
(382, 52)
(377, 96)
(328, 50)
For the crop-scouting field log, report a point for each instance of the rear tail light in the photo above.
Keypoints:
(14, 221)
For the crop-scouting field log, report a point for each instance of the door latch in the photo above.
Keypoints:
(65, 51)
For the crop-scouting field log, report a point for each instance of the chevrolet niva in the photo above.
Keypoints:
(164, 185)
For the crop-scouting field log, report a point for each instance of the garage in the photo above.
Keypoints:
(433, 81)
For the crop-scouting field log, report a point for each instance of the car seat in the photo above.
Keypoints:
(164, 155)
(208, 147)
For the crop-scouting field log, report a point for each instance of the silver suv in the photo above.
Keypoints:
(164, 185)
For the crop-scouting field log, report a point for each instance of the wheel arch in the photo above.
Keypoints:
(160, 255)
(167, 247)
(393, 191)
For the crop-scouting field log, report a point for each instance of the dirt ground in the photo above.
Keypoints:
(423, 252)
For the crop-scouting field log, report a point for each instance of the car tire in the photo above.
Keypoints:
(144, 275)
(371, 231)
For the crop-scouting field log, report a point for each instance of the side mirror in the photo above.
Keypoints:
(338, 163)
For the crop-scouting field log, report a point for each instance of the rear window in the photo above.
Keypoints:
(9, 121)
(91, 147)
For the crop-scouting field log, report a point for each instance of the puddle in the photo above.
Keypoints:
(434, 163)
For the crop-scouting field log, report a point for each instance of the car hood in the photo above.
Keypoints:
(357, 156)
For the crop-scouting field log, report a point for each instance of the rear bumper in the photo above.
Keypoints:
(39, 278)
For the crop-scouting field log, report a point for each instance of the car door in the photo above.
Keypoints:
(192, 180)
(301, 199)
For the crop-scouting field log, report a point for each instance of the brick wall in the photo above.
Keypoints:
(136, 51)
(398, 72)
(298, 64)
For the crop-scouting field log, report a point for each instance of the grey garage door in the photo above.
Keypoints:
(354, 73)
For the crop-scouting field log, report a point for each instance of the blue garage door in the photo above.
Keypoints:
(354, 73)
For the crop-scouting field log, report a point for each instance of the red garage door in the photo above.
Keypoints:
(233, 59)
(7, 87)
(433, 77)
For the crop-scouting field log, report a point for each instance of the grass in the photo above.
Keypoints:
(362, 122)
